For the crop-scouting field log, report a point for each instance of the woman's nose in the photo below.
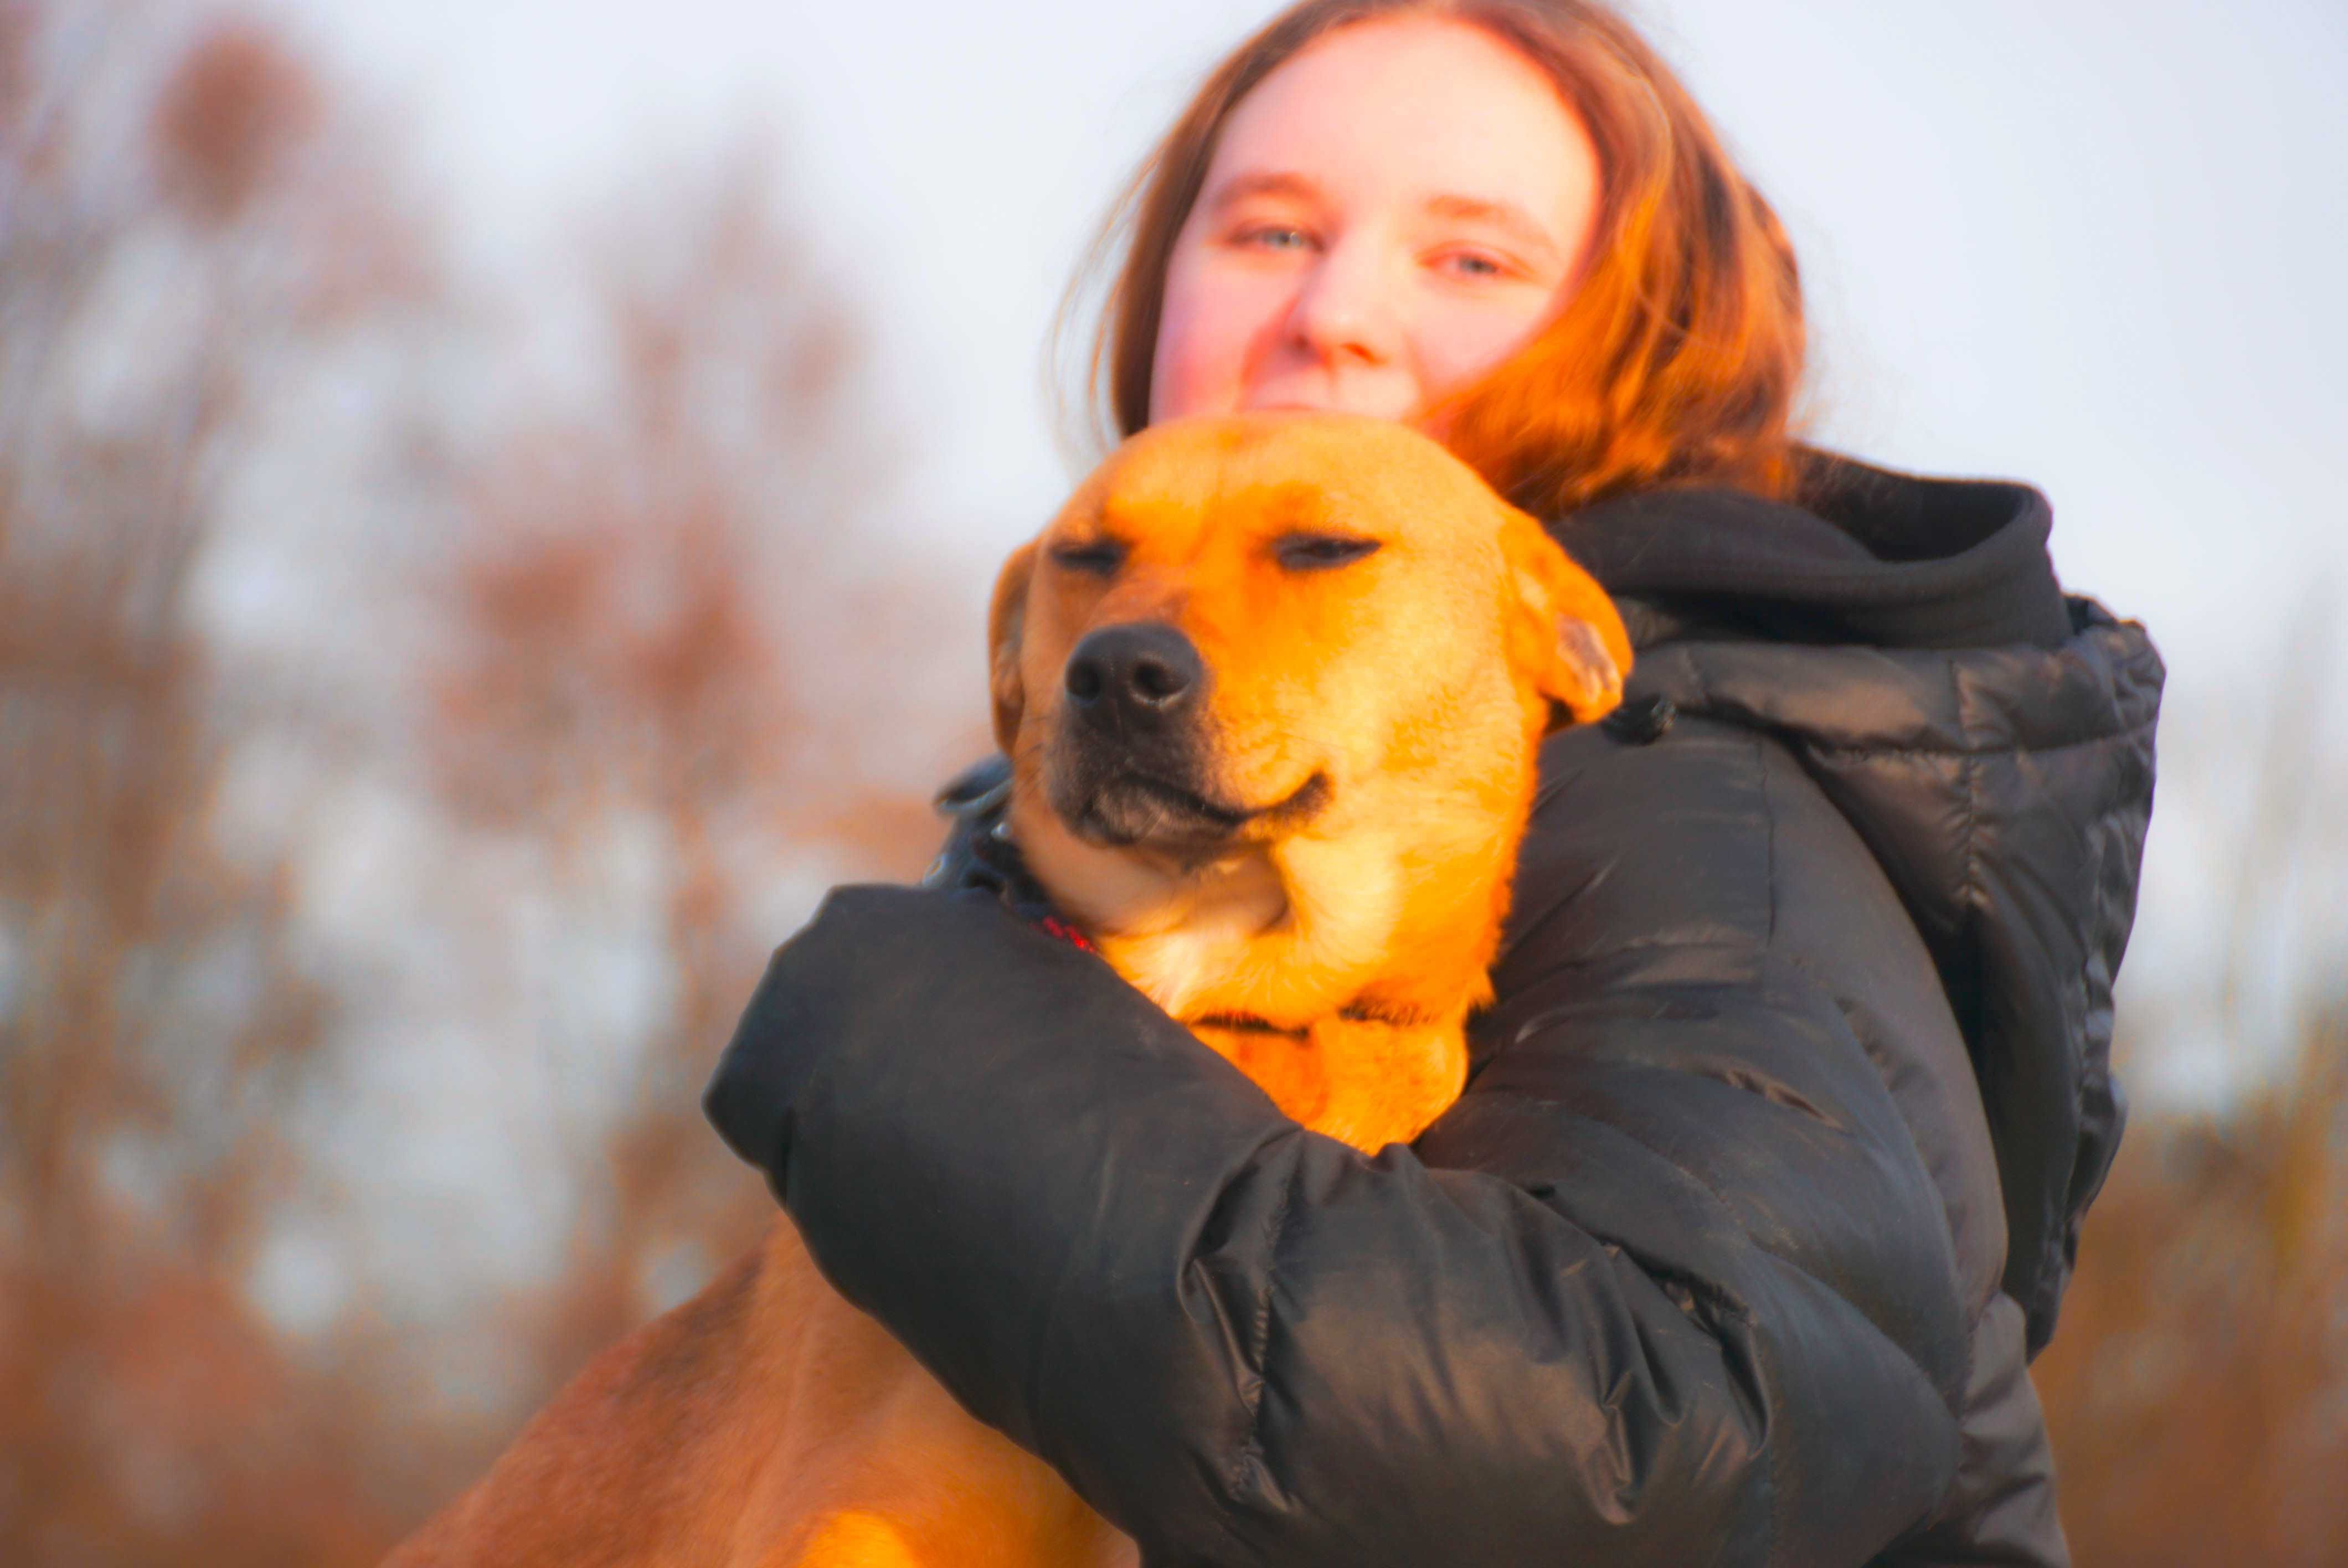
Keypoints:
(1344, 311)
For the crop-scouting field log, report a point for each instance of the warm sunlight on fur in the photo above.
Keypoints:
(1273, 687)
(1359, 746)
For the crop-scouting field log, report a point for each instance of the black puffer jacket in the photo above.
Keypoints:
(1769, 1175)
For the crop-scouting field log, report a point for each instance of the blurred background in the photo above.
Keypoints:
(497, 501)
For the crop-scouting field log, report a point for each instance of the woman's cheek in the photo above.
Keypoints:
(1183, 379)
(1461, 344)
(1176, 368)
(1218, 323)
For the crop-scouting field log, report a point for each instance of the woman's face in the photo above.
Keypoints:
(1392, 212)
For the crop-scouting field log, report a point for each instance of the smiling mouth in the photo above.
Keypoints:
(1350, 395)
(1139, 808)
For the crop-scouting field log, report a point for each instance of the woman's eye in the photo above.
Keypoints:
(1275, 237)
(1467, 263)
(1093, 558)
(1319, 552)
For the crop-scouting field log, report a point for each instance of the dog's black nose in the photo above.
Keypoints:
(1143, 672)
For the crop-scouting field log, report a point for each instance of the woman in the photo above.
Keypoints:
(1769, 1175)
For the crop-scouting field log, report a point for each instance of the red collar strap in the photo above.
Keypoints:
(1053, 926)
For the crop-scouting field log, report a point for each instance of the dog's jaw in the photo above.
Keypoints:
(1168, 926)
(1287, 930)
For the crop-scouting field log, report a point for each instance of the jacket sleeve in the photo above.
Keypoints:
(1669, 1285)
(2000, 1512)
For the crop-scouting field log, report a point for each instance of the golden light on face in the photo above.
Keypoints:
(1273, 687)
(1389, 214)
(1238, 626)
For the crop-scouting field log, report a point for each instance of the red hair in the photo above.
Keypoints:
(1678, 356)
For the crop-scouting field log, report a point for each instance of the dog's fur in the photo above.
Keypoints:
(1296, 838)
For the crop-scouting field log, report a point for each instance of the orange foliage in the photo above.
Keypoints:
(234, 105)
(150, 1013)
(2198, 1388)
(634, 620)
(644, 620)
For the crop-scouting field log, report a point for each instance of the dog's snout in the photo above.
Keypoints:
(1147, 672)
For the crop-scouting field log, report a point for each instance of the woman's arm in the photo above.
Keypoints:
(1671, 1284)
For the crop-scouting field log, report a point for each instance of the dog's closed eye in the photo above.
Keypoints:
(1320, 552)
(1094, 557)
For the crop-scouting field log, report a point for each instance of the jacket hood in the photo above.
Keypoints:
(1990, 740)
(1870, 557)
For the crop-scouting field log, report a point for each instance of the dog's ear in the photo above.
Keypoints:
(1565, 632)
(1006, 618)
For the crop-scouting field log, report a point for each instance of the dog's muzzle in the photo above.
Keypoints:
(1131, 761)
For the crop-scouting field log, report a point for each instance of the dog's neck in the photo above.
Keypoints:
(1162, 921)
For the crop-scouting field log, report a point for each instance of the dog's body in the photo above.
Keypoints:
(1272, 689)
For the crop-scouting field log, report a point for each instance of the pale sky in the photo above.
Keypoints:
(2092, 243)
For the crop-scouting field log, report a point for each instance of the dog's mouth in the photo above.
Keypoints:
(1129, 808)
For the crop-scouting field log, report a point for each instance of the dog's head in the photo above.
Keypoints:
(1240, 627)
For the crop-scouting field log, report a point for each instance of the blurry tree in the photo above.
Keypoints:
(657, 626)
(153, 269)
(643, 616)
(2199, 1387)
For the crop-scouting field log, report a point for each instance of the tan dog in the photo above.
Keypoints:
(1271, 688)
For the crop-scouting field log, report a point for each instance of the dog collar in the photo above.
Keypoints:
(1053, 926)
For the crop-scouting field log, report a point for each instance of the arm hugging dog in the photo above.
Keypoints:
(1272, 689)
